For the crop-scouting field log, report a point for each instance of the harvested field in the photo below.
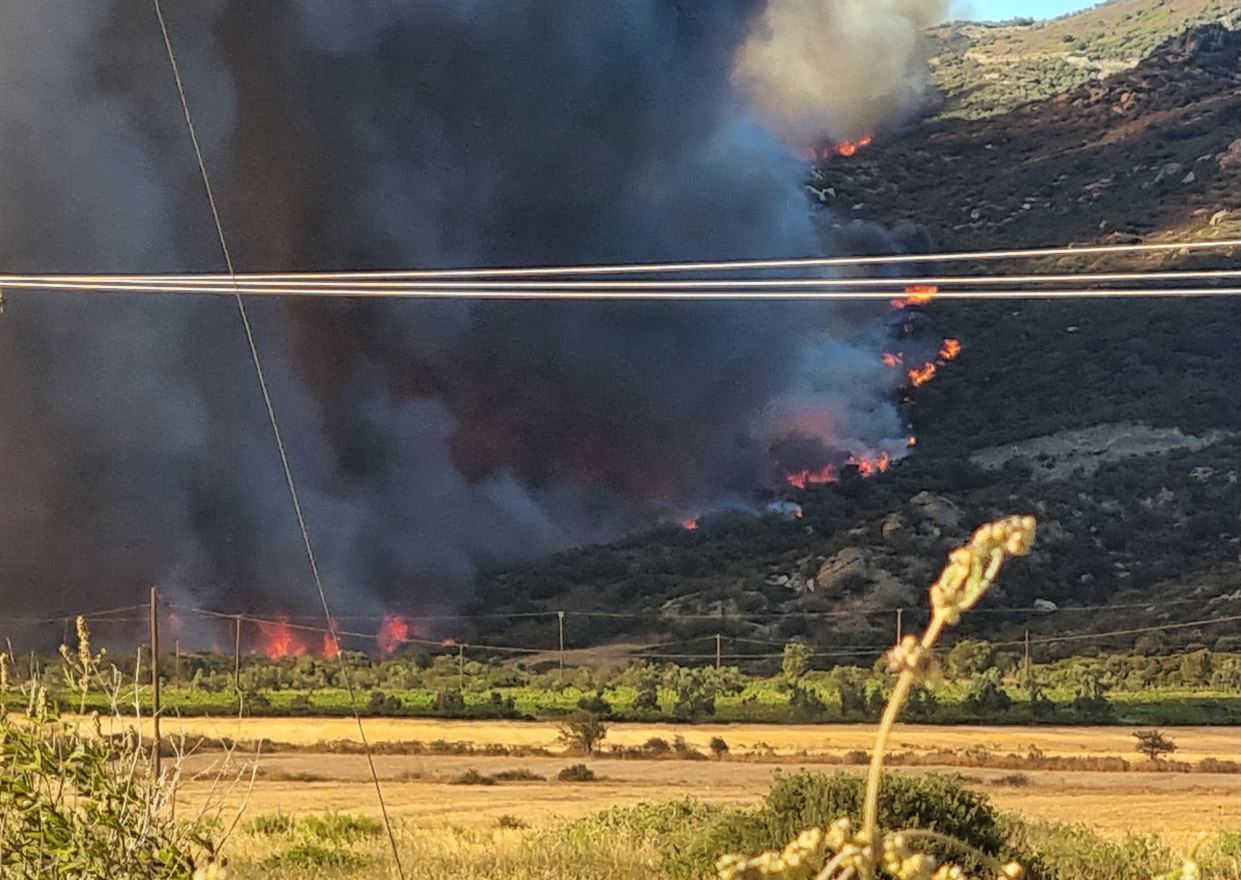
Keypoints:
(420, 789)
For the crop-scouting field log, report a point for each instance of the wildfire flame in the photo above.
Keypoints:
(844, 148)
(892, 360)
(331, 647)
(917, 295)
(951, 350)
(690, 525)
(393, 632)
(867, 465)
(919, 376)
(280, 641)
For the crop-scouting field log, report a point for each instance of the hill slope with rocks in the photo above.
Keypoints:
(1117, 422)
(986, 69)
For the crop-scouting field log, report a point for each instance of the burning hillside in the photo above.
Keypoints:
(427, 437)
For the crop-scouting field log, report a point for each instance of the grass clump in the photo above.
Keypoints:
(341, 828)
(307, 854)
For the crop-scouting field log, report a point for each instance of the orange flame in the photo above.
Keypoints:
(951, 350)
(279, 640)
(869, 467)
(892, 360)
(690, 525)
(845, 148)
(850, 148)
(331, 647)
(912, 441)
(919, 376)
(917, 295)
(448, 643)
(802, 479)
(393, 633)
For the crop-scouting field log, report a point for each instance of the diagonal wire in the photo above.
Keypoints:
(275, 424)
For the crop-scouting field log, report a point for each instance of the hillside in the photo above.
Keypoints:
(984, 70)
(1117, 421)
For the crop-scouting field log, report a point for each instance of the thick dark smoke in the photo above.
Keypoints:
(428, 438)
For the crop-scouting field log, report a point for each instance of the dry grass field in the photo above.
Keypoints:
(421, 792)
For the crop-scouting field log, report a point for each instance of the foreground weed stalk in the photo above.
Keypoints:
(840, 852)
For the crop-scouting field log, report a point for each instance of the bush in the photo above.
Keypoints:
(577, 773)
(934, 802)
(508, 820)
(449, 703)
(473, 777)
(657, 746)
(313, 855)
(341, 828)
(718, 746)
(806, 704)
(110, 822)
(521, 774)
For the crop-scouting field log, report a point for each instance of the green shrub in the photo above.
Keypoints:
(341, 827)
(109, 821)
(314, 855)
(933, 802)
(577, 773)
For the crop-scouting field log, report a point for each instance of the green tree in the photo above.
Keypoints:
(1153, 744)
(583, 733)
(970, 657)
(796, 662)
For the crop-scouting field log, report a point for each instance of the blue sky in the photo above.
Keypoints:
(1002, 9)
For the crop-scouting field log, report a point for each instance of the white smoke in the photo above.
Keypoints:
(835, 68)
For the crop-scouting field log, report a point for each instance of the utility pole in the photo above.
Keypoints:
(718, 651)
(1029, 669)
(155, 708)
(560, 617)
(461, 668)
(900, 612)
(237, 654)
(176, 674)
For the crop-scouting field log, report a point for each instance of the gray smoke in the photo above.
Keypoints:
(429, 439)
(838, 68)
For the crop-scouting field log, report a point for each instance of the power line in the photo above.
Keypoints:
(381, 288)
(771, 291)
(713, 266)
(271, 413)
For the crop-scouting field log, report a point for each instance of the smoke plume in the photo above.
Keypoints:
(836, 69)
(429, 439)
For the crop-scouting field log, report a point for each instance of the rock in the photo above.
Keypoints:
(892, 524)
(850, 563)
(1231, 157)
(1219, 217)
(1172, 169)
(937, 509)
(1189, 178)
(1045, 606)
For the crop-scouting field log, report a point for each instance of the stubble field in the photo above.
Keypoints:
(424, 790)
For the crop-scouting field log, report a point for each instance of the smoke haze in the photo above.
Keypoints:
(837, 69)
(428, 438)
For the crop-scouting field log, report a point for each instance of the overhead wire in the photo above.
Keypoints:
(709, 266)
(271, 413)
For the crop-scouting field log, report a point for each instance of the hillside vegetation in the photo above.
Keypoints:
(986, 69)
